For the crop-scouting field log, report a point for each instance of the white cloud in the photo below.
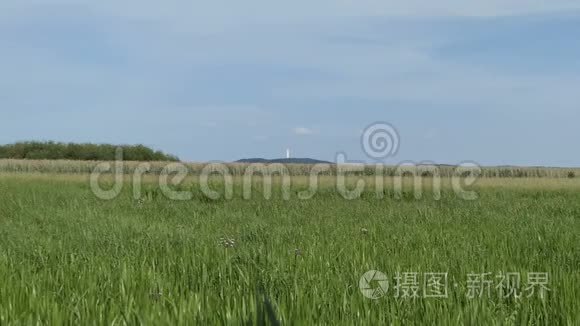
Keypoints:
(302, 131)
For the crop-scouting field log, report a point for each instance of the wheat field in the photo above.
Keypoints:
(238, 169)
(69, 258)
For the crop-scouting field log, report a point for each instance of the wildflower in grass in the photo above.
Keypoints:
(140, 202)
(227, 243)
(156, 295)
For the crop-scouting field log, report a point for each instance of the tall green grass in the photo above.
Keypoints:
(67, 258)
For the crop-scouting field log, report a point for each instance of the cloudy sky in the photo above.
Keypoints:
(497, 82)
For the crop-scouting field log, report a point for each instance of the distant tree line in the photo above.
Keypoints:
(82, 152)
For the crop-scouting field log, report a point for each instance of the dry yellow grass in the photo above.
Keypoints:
(324, 182)
(237, 169)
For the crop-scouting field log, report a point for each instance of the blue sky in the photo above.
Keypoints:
(496, 82)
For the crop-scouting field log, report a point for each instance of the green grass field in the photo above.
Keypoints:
(68, 258)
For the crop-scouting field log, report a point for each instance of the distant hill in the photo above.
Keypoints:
(283, 161)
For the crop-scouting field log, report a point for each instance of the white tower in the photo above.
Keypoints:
(288, 153)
